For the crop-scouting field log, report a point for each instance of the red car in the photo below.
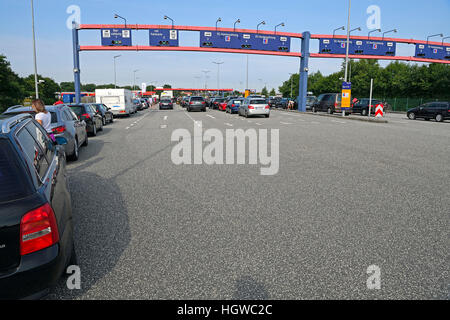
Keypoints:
(223, 106)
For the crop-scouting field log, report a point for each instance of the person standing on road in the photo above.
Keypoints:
(43, 116)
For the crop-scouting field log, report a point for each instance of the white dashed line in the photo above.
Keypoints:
(163, 126)
(208, 115)
(165, 118)
(287, 123)
(228, 124)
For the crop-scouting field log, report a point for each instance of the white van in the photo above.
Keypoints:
(120, 101)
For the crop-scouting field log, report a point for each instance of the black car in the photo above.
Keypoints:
(88, 113)
(104, 112)
(362, 106)
(196, 103)
(165, 103)
(273, 101)
(328, 102)
(36, 228)
(438, 111)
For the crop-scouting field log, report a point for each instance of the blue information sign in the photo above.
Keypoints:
(116, 37)
(428, 51)
(360, 47)
(164, 38)
(249, 41)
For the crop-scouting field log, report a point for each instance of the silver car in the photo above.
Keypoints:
(64, 123)
(254, 107)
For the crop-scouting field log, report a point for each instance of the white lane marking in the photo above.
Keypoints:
(228, 124)
(210, 116)
(165, 117)
(163, 126)
(285, 122)
(337, 121)
(314, 122)
(195, 121)
(258, 124)
(127, 128)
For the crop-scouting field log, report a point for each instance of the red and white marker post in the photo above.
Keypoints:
(379, 111)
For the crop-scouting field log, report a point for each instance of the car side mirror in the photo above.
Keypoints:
(61, 141)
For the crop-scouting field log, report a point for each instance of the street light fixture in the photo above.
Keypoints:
(36, 87)
(279, 25)
(356, 29)
(261, 23)
(166, 17)
(375, 30)
(237, 21)
(341, 28)
(206, 77)
(117, 16)
(115, 77)
(435, 35)
(393, 30)
(218, 74)
(218, 20)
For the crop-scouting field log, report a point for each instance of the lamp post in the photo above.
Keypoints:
(234, 26)
(218, 74)
(218, 20)
(279, 25)
(134, 81)
(434, 35)
(291, 74)
(36, 87)
(348, 39)
(375, 30)
(340, 28)
(206, 77)
(117, 16)
(115, 77)
(261, 23)
(166, 17)
(393, 30)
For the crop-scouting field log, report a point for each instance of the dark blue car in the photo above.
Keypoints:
(233, 105)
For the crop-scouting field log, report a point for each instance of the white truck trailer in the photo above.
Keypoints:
(120, 101)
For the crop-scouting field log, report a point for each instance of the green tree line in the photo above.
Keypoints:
(396, 80)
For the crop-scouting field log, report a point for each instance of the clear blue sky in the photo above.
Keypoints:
(414, 19)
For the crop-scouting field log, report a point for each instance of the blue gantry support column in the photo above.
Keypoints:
(76, 62)
(304, 69)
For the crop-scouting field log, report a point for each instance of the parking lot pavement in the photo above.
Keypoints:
(348, 195)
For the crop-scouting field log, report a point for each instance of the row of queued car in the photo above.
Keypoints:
(36, 228)
(253, 105)
(73, 122)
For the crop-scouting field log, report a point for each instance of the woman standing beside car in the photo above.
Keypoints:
(43, 116)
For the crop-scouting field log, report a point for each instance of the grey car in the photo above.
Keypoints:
(253, 107)
(196, 103)
(65, 123)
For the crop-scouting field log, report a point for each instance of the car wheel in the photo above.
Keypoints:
(86, 141)
(412, 116)
(101, 127)
(104, 121)
(246, 114)
(313, 109)
(439, 118)
(364, 112)
(112, 119)
(94, 131)
(329, 111)
(267, 115)
(75, 154)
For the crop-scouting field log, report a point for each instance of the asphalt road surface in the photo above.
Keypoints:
(348, 195)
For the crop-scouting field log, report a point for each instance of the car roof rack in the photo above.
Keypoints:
(8, 123)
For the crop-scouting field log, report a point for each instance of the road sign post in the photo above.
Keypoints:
(370, 98)
(346, 97)
(379, 112)
(304, 69)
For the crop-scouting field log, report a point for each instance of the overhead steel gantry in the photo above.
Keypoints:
(304, 54)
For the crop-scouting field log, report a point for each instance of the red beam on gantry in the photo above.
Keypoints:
(192, 49)
(184, 28)
(398, 40)
(353, 56)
